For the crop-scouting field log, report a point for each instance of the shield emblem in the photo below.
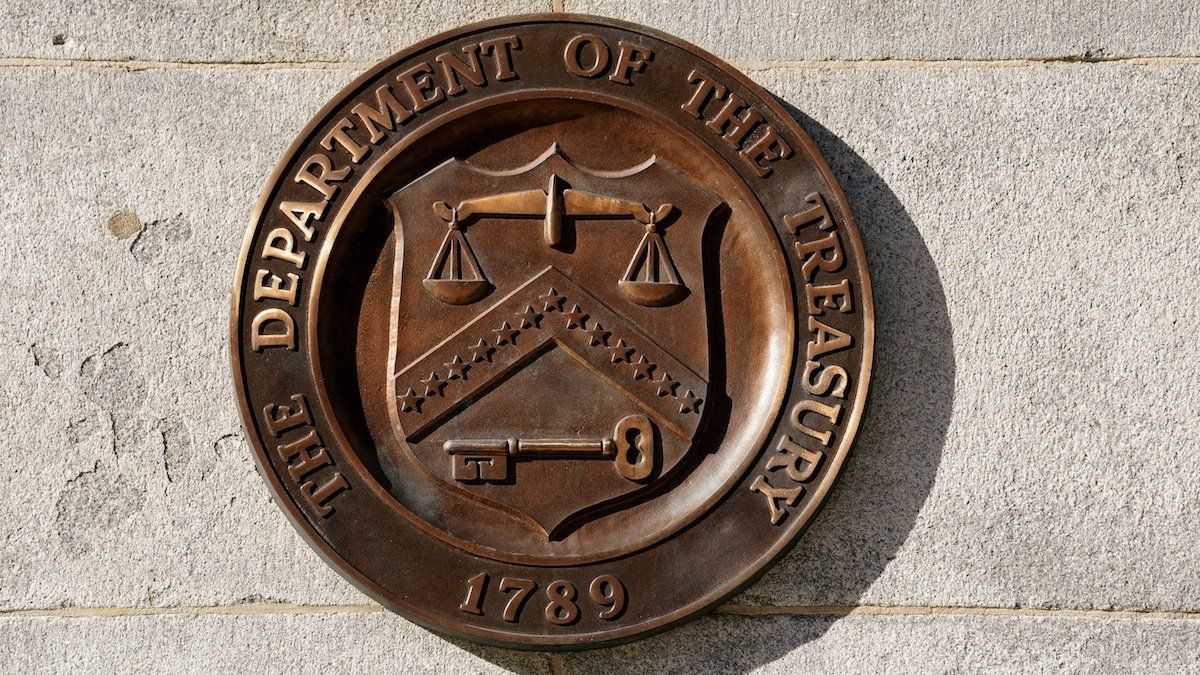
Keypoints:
(550, 346)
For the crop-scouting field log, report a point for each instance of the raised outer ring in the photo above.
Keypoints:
(708, 602)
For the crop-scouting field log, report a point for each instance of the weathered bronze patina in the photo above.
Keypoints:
(551, 331)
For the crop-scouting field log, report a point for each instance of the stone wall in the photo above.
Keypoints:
(1023, 495)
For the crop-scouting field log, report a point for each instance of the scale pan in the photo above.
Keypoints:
(652, 293)
(457, 291)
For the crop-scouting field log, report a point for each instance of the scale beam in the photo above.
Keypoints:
(659, 283)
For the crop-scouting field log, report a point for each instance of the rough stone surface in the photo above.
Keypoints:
(905, 644)
(230, 30)
(379, 642)
(1032, 236)
(349, 642)
(134, 484)
(277, 30)
(920, 29)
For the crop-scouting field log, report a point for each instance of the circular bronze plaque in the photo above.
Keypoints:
(551, 331)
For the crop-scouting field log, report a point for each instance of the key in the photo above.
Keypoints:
(486, 460)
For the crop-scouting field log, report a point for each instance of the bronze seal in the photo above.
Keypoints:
(551, 331)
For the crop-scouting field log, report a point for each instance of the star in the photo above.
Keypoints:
(643, 369)
(482, 351)
(688, 402)
(577, 318)
(621, 352)
(530, 317)
(505, 334)
(433, 385)
(458, 368)
(410, 402)
(553, 301)
(666, 386)
(597, 336)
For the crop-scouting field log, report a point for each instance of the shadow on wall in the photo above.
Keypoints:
(883, 485)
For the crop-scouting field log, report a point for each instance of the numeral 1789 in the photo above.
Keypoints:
(562, 609)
